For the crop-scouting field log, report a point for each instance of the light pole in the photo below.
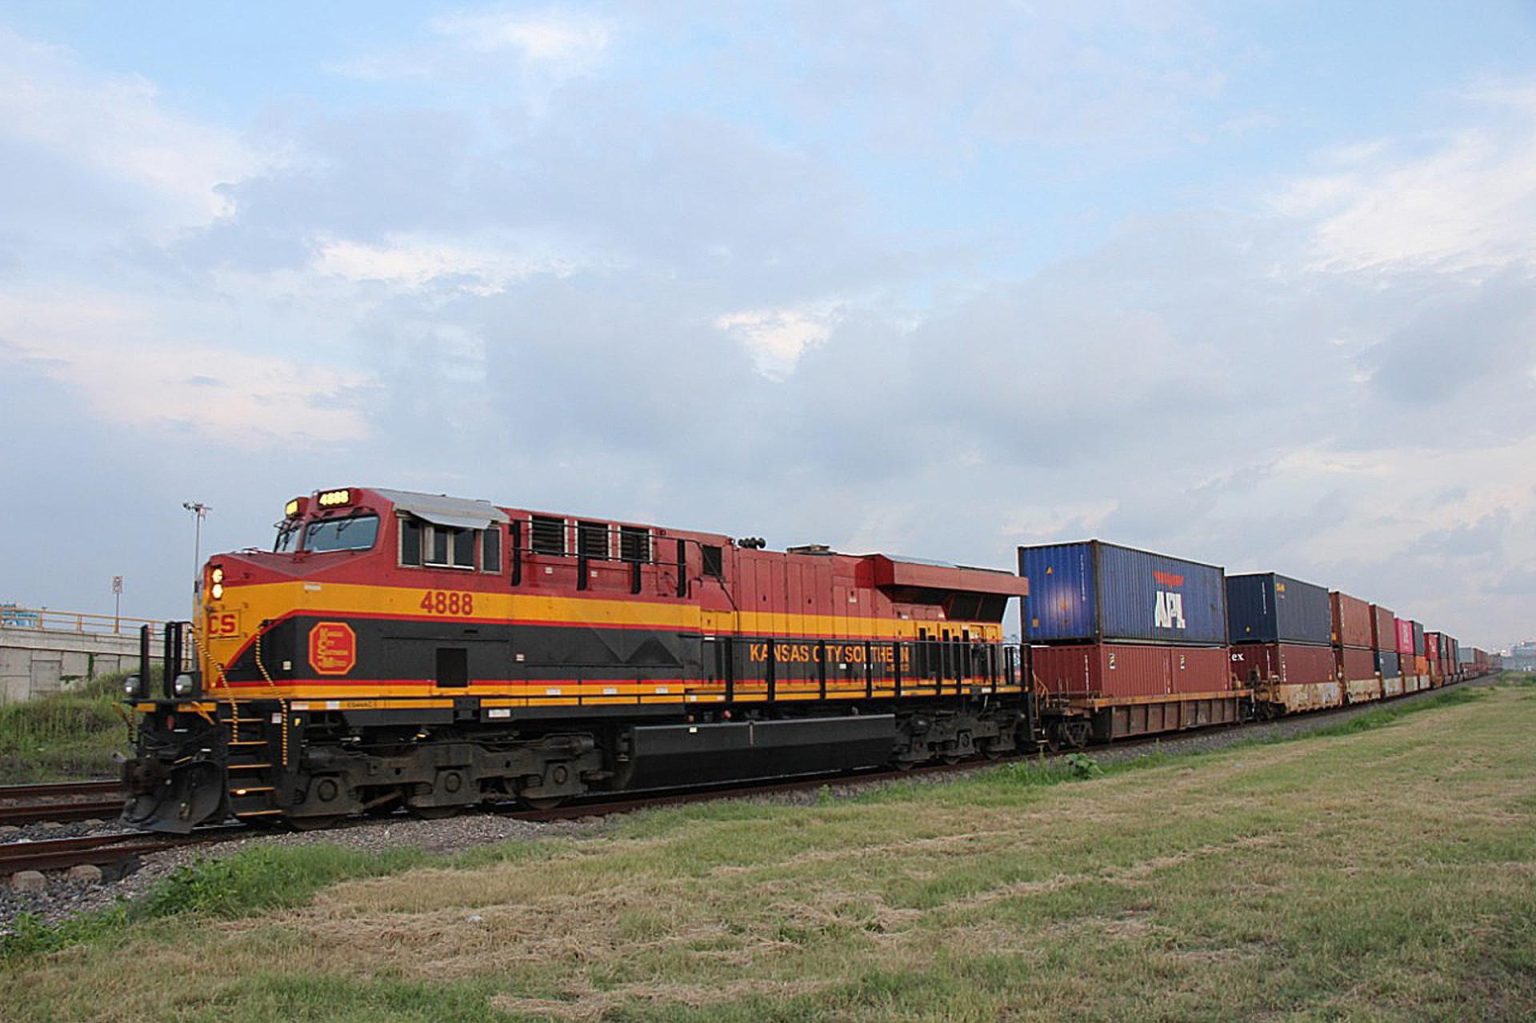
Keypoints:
(198, 510)
(117, 603)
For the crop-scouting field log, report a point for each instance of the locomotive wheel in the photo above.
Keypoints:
(544, 803)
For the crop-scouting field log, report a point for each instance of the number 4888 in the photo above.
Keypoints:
(444, 602)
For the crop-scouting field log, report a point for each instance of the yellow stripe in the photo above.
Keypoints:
(272, 600)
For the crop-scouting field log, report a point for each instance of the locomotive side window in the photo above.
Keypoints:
(634, 544)
(714, 560)
(447, 547)
(356, 533)
(490, 554)
(547, 535)
(410, 541)
(592, 540)
(463, 548)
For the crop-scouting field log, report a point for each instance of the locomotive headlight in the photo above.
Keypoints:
(218, 573)
(182, 686)
(131, 686)
(217, 590)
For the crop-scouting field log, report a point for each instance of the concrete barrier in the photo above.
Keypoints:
(36, 662)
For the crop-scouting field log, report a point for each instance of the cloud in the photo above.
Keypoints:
(112, 354)
(116, 132)
(1463, 201)
(415, 262)
(543, 51)
(569, 40)
(776, 338)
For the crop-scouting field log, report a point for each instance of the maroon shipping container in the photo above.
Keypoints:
(1353, 664)
(1282, 662)
(1383, 629)
(1110, 670)
(1432, 646)
(1351, 620)
(1404, 637)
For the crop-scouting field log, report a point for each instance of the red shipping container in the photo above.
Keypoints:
(1404, 637)
(1282, 662)
(1352, 664)
(1110, 670)
(1432, 646)
(1351, 620)
(1383, 629)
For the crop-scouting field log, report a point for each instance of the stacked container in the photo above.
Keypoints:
(1112, 623)
(1419, 673)
(1384, 645)
(1432, 658)
(1290, 616)
(1354, 658)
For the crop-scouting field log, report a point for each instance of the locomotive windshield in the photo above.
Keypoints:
(351, 534)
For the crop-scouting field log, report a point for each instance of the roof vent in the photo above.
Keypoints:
(809, 548)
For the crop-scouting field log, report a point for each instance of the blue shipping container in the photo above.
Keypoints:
(1386, 664)
(1092, 592)
(1272, 608)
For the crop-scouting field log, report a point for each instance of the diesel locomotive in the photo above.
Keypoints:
(399, 649)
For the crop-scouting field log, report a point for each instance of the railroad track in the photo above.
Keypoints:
(101, 850)
(60, 801)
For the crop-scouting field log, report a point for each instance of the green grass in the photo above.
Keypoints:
(65, 735)
(1383, 872)
(255, 880)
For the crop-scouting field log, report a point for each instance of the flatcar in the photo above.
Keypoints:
(398, 649)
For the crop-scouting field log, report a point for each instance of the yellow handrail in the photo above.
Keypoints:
(14, 616)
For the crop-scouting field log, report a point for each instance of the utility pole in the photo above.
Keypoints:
(198, 510)
(117, 603)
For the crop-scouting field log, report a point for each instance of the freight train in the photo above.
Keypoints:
(404, 650)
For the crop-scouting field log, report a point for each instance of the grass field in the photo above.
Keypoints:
(65, 735)
(1387, 873)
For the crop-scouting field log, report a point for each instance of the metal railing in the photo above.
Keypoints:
(14, 616)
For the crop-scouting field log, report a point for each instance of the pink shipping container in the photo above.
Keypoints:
(1111, 670)
(1404, 637)
(1351, 620)
(1352, 664)
(1383, 629)
(1282, 662)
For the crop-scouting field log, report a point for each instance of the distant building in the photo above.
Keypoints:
(1522, 656)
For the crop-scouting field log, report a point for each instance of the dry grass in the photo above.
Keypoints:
(1382, 875)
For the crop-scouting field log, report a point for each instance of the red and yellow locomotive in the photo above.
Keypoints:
(402, 649)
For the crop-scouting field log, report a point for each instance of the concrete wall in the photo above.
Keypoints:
(35, 662)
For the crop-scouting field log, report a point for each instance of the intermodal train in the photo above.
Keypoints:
(405, 650)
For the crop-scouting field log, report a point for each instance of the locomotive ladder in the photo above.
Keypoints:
(251, 769)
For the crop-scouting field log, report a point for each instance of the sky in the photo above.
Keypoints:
(1250, 283)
